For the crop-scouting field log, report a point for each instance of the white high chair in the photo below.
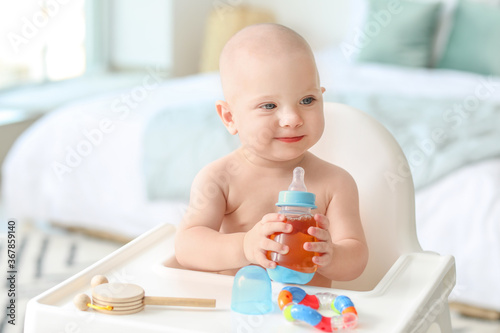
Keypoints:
(400, 275)
(403, 288)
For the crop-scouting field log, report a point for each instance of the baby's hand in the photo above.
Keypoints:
(257, 242)
(324, 244)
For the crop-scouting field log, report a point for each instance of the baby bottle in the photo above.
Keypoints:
(296, 266)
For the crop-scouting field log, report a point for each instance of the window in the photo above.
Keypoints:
(43, 40)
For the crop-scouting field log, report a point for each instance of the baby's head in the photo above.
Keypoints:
(272, 91)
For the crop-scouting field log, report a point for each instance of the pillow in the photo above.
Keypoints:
(474, 42)
(178, 142)
(399, 32)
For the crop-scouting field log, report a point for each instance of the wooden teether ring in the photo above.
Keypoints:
(97, 280)
(118, 304)
(126, 298)
(118, 292)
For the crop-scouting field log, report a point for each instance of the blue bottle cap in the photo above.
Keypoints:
(297, 199)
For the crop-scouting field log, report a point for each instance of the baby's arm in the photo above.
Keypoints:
(199, 243)
(341, 241)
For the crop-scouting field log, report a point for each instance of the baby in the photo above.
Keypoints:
(273, 101)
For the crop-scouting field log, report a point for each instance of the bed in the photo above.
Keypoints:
(121, 163)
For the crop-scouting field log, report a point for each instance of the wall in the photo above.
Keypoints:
(189, 24)
(321, 22)
(9, 132)
(170, 33)
(166, 33)
(140, 33)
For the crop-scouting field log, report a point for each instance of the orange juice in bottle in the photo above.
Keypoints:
(296, 266)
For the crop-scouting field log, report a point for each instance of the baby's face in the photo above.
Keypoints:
(277, 105)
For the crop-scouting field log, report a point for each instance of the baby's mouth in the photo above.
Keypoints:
(290, 139)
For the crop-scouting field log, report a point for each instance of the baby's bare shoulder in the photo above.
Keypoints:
(220, 171)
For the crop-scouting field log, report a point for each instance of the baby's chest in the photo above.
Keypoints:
(243, 212)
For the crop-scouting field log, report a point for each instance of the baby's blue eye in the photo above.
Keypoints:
(268, 106)
(307, 100)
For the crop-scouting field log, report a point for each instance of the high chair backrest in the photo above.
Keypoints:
(362, 146)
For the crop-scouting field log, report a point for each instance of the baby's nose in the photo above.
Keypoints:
(290, 117)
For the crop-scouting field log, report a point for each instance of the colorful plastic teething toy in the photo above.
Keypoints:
(296, 304)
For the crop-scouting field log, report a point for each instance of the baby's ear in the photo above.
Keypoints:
(226, 115)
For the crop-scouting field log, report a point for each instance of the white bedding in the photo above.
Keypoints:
(105, 189)
(460, 215)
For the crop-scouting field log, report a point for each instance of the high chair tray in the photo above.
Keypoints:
(141, 262)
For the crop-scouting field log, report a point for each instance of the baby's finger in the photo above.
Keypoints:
(320, 234)
(322, 220)
(273, 227)
(270, 245)
(264, 262)
(319, 247)
(322, 260)
(272, 217)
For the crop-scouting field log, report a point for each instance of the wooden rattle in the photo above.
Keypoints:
(126, 298)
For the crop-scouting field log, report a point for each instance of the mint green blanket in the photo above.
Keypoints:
(437, 136)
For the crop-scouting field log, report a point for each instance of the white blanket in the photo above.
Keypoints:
(460, 215)
(47, 177)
